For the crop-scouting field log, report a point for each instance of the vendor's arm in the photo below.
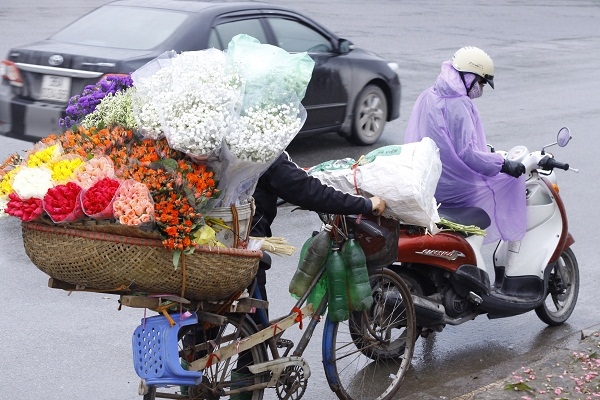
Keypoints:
(295, 186)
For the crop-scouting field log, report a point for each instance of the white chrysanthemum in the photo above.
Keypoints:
(32, 182)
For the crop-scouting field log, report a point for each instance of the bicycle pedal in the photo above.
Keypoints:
(281, 343)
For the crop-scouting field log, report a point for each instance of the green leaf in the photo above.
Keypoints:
(521, 386)
(594, 355)
(169, 164)
(176, 257)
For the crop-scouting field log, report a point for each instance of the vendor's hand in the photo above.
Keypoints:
(378, 205)
(513, 168)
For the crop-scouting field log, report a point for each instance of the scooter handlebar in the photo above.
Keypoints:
(548, 163)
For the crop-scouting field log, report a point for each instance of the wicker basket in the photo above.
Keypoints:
(111, 263)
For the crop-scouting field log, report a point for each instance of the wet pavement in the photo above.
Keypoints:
(571, 372)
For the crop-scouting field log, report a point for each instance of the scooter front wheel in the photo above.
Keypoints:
(563, 289)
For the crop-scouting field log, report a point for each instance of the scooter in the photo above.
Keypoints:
(447, 275)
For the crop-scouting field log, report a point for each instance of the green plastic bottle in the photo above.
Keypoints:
(337, 289)
(359, 287)
(316, 253)
(318, 292)
(302, 255)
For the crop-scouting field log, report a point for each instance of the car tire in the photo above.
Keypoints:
(370, 115)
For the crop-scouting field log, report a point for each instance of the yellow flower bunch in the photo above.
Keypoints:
(43, 156)
(64, 169)
(6, 183)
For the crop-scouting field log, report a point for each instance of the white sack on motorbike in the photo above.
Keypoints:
(404, 176)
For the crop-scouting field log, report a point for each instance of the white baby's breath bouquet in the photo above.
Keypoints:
(192, 96)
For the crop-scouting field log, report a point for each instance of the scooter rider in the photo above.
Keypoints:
(470, 175)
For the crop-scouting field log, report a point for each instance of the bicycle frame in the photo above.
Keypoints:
(373, 335)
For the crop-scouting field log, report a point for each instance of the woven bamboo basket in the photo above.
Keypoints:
(108, 262)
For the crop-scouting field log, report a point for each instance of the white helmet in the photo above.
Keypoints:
(476, 61)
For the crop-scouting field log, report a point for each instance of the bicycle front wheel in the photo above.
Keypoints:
(368, 356)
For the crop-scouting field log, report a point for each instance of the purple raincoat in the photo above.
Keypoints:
(470, 172)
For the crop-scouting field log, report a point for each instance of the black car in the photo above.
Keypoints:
(352, 91)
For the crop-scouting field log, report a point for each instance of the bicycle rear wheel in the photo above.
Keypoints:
(368, 356)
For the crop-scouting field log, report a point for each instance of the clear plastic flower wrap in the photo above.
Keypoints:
(42, 154)
(271, 74)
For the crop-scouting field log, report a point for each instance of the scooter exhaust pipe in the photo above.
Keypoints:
(428, 312)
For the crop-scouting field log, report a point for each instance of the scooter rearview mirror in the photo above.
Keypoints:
(563, 137)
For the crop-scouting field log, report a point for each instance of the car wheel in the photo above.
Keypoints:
(370, 114)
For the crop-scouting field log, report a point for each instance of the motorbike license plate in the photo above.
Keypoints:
(56, 88)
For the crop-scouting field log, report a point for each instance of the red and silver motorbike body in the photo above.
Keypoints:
(448, 275)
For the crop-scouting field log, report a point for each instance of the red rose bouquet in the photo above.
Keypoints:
(25, 209)
(97, 201)
(62, 203)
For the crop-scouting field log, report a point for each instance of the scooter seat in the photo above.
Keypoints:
(466, 216)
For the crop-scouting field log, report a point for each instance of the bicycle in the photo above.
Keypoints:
(365, 357)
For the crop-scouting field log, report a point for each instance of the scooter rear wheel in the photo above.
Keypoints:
(563, 289)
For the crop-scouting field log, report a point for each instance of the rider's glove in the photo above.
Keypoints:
(513, 168)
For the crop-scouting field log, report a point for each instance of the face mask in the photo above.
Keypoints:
(476, 91)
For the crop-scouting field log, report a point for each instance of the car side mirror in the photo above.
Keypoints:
(345, 46)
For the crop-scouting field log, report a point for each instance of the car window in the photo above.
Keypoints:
(222, 34)
(295, 37)
(123, 27)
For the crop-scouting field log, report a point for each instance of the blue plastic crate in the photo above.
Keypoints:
(156, 352)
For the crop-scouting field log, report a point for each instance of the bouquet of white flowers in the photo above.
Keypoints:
(237, 109)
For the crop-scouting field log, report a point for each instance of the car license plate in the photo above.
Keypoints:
(56, 88)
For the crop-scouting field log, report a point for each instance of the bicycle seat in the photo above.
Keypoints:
(466, 216)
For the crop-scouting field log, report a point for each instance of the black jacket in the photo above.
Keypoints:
(285, 180)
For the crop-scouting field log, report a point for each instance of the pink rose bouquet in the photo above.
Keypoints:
(133, 204)
(93, 170)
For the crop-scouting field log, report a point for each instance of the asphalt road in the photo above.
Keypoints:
(56, 346)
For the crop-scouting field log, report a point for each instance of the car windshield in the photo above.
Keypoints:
(123, 27)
